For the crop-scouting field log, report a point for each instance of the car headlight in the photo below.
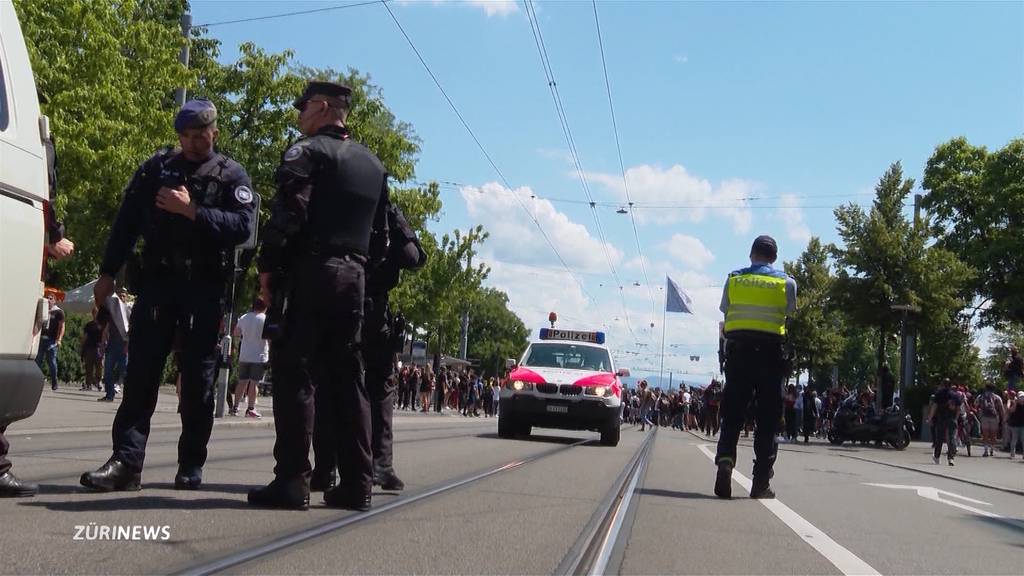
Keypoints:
(597, 391)
(520, 385)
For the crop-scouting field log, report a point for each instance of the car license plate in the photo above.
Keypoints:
(559, 409)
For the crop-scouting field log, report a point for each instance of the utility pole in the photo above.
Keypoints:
(464, 333)
(917, 209)
(186, 30)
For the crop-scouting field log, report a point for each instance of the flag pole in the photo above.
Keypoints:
(664, 315)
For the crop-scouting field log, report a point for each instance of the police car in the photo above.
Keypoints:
(565, 380)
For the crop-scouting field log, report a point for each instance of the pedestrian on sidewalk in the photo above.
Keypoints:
(91, 353)
(253, 355)
(1015, 419)
(50, 340)
(990, 407)
(810, 412)
(942, 413)
(115, 349)
(1013, 369)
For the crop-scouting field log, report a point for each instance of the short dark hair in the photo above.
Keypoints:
(259, 305)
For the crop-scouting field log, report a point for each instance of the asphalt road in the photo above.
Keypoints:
(833, 515)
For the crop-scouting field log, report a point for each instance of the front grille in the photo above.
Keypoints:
(547, 388)
(570, 389)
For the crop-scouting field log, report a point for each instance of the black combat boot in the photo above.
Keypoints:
(188, 477)
(723, 480)
(389, 481)
(113, 476)
(344, 497)
(322, 482)
(287, 494)
(12, 487)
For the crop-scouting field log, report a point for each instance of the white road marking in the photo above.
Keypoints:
(933, 494)
(847, 562)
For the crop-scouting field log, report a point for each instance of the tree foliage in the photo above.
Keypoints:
(887, 261)
(495, 333)
(816, 327)
(976, 198)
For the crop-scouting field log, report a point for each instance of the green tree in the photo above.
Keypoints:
(495, 332)
(434, 298)
(814, 329)
(976, 199)
(887, 261)
(107, 72)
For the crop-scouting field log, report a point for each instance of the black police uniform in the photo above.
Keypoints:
(382, 338)
(185, 268)
(332, 192)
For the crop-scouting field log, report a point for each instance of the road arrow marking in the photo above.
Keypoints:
(934, 494)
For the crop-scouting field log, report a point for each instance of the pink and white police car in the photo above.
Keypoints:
(566, 380)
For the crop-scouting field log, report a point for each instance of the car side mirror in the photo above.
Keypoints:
(622, 373)
(510, 363)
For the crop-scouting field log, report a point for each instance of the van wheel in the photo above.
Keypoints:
(506, 427)
(610, 434)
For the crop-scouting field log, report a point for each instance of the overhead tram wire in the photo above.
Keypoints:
(287, 14)
(622, 165)
(538, 38)
(479, 145)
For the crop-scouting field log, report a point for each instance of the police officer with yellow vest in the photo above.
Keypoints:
(755, 301)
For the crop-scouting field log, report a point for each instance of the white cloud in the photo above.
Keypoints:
(490, 7)
(793, 216)
(667, 196)
(681, 58)
(637, 263)
(688, 250)
(496, 7)
(516, 239)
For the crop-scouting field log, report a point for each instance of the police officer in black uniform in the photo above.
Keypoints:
(382, 337)
(191, 206)
(332, 193)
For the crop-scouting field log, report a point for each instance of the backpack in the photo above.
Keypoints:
(988, 406)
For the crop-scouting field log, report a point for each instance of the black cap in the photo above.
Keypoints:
(335, 94)
(765, 246)
(197, 113)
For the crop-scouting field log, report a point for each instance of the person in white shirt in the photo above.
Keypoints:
(253, 355)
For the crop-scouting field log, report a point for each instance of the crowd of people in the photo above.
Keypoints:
(461, 390)
(986, 415)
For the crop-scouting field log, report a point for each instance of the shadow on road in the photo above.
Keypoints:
(133, 503)
(675, 494)
(1014, 524)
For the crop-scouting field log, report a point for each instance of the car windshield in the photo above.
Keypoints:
(571, 356)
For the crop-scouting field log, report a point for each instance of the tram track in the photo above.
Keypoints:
(597, 541)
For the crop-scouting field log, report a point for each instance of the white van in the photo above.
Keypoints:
(24, 191)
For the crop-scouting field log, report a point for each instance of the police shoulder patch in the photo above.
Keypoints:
(293, 153)
(243, 194)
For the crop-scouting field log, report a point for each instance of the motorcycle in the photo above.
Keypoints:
(894, 426)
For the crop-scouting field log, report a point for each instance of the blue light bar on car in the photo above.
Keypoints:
(571, 335)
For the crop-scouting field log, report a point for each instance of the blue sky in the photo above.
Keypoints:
(800, 105)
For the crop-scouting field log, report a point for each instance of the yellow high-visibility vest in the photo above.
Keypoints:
(756, 302)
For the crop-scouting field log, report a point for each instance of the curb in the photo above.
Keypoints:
(217, 423)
